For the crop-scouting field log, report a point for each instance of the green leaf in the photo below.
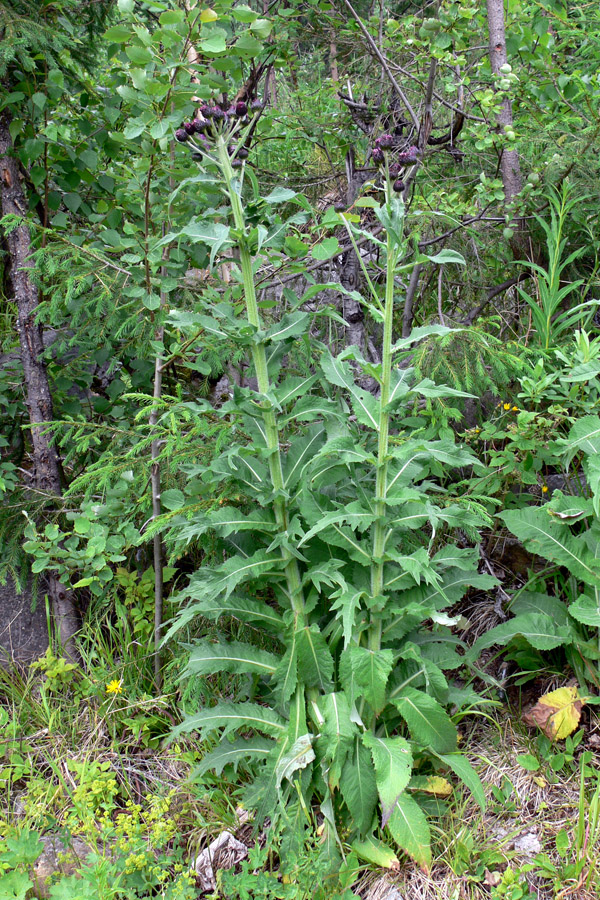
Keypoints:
(408, 827)
(393, 765)
(544, 536)
(461, 767)
(353, 515)
(365, 406)
(584, 435)
(171, 17)
(326, 249)
(207, 658)
(374, 851)
(243, 13)
(233, 753)
(228, 520)
(427, 721)
(247, 45)
(299, 756)
(586, 609)
(336, 734)
(280, 195)
(118, 34)
(214, 43)
(315, 663)
(172, 499)
(290, 325)
(301, 452)
(358, 786)
(365, 673)
(231, 717)
(540, 630)
(447, 256)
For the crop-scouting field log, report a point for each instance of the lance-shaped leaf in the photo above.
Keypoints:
(364, 404)
(364, 674)
(374, 851)
(300, 454)
(354, 515)
(346, 603)
(233, 753)
(410, 830)
(427, 721)
(285, 678)
(292, 387)
(227, 520)
(299, 756)
(545, 537)
(207, 658)
(584, 435)
(337, 732)
(586, 609)
(231, 717)
(461, 766)
(255, 612)
(358, 786)
(540, 630)
(315, 663)
(393, 764)
(290, 325)
(237, 569)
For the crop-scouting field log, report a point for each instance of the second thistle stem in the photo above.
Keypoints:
(259, 358)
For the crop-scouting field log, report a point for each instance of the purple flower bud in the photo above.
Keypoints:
(189, 127)
(398, 185)
(386, 141)
(236, 163)
(242, 153)
(199, 126)
(218, 114)
(241, 109)
(408, 157)
(377, 156)
(257, 106)
(181, 135)
(207, 111)
(394, 169)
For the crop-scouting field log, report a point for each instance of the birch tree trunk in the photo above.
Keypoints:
(47, 474)
(510, 168)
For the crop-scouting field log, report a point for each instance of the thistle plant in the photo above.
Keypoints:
(339, 552)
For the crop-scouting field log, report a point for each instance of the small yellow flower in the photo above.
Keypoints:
(477, 430)
(506, 406)
(115, 686)
(544, 489)
(515, 409)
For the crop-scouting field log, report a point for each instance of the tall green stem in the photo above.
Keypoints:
(259, 358)
(379, 528)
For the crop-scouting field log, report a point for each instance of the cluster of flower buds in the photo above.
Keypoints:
(383, 145)
(214, 120)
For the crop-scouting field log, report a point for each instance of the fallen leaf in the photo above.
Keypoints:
(492, 879)
(557, 713)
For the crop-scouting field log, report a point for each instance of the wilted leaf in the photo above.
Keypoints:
(557, 713)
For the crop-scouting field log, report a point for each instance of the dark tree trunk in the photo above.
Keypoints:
(47, 473)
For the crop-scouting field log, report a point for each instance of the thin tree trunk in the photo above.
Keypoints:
(47, 474)
(510, 167)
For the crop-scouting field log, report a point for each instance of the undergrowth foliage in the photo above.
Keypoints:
(338, 555)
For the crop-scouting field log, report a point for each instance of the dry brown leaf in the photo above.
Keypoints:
(557, 713)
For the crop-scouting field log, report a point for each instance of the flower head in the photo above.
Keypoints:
(385, 141)
(115, 686)
(544, 489)
(506, 406)
(181, 135)
(514, 409)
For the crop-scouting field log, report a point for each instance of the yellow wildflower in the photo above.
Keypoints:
(544, 489)
(506, 406)
(515, 409)
(115, 686)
